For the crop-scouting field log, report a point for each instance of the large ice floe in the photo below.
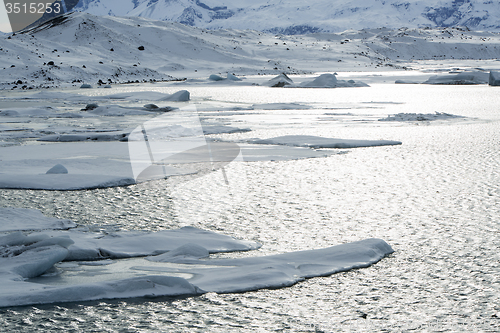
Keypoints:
(472, 77)
(320, 142)
(53, 265)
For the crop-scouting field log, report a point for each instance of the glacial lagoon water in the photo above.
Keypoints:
(435, 199)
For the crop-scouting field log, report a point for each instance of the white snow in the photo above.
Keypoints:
(295, 16)
(319, 142)
(178, 264)
(127, 244)
(173, 49)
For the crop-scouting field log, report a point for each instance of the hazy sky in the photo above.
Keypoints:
(4, 19)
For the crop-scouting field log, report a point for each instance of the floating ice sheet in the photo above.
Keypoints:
(420, 117)
(29, 219)
(319, 142)
(177, 268)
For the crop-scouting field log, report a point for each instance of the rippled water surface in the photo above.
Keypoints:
(435, 199)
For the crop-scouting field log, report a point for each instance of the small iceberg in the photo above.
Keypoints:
(57, 169)
(494, 79)
(215, 77)
(465, 78)
(279, 81)
(232, 77)
(331, 81)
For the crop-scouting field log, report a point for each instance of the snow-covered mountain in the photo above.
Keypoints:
(298, 17)
(81, 47)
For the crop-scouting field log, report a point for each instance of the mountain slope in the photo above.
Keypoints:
(298, 17)
(80, 47)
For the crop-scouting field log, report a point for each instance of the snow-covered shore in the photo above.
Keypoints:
(82, 48)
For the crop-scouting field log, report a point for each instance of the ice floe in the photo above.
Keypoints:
(420, 116)
(76, 137)
(29, 219)
(475, 77)
(319, 142)
(53, 266)
(280, 106)
(89, 165)
(179, 96)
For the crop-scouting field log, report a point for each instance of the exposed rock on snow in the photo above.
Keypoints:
(90, 107)
(494, 79)
(330, 81)
(319, 142)
(460, 78)
(57, 169)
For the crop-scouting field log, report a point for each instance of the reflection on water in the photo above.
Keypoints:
(435, 199)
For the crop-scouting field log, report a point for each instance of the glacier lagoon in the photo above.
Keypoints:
(434, 199)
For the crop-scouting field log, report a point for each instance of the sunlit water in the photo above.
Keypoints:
(435, 199)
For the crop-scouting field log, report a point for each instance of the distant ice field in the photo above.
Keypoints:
(434, 198)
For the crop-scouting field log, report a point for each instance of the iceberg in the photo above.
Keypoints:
(494, 79)
(459, 78)
(331, 81)
(279, 81)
